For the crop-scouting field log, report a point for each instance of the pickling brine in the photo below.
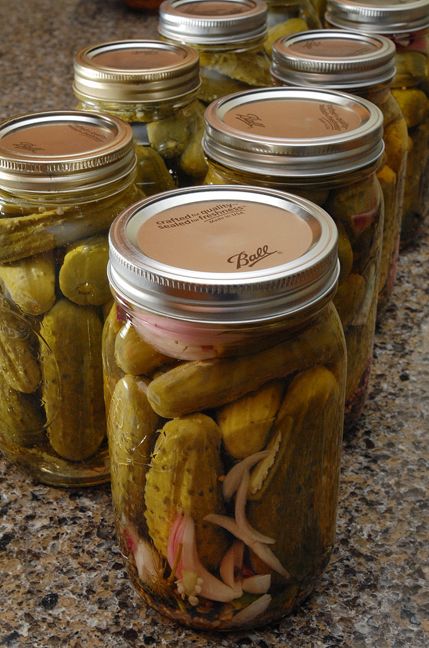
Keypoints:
(224, 371)
(64, 178)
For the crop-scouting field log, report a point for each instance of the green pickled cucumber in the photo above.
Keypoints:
(169, 136)
(349, 298)
(192, 161)
(285, 28)
(246, 423)
(296, 500)
(18, 362)
(72, 389)
(153, 175)
(184, 478)
(389, 186)
(131, 431)
(83, 274)
(21, 416)
(413, 103)
(411, 68)
(204, 384)
(396, 144)
(111, 372)
(135, 356)
(30, 283)
(345, 253)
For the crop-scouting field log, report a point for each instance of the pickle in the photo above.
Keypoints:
(285, 28)
(72, 389)
(297, 493)
(30, 283)
(413, 103)
(21, 419)
(388, 182)
(349, 298)
(83, 274)
(111, 372)
(411, 68)
(192, 161)
(18, 363)
(152, 172)
(395, 141)
(184, 478)
(135, 356)
(205, 384)
(131, 430)
(169, 136)
(345, 253)
(252, 69)
(246, 423)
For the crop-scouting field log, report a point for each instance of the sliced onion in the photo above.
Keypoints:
(267, 557)
(234, 476)
(232, 560)
(256, 584)
(174, 540)
(148, 562)
(252, 611)
(240, 513)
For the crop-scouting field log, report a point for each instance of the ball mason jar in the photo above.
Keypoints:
(364, 65)
(229, 37)
(153, 86)
(64, 177)
(287, 17)
(225, 429)
(406, 23)
(325, 146)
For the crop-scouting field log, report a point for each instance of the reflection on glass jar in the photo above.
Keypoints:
(225, 370)
(153, 86)
(64, 178)
(229, 38)
(325, 146)
(363, 65)
(406, 23)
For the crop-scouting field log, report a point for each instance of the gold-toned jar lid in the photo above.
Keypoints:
(213, 22)
(388, 17)
(293, 132)
(64, 151)
(135, 71)
(224, 254)
(333, 58)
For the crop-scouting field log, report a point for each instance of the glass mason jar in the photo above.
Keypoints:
(325, 146)
(229, 38)
(364, 65)
(64, 176)
(287, 17)
(153, 86)
(225, 436)
(406, 23)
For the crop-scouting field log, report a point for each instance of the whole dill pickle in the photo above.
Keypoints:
(111, 372)
(83, 274)
(20, 415)
(72, 388)
(135, 356)
(30, 283)
(131, 430)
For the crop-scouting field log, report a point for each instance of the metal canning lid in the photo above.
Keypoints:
(293, 132)
(213, 22)
(224, 254)
(135, 71)
(333, 58)
(64, 151)
(391, 17)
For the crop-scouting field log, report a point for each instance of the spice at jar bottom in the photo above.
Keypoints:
(225, 374)
(65, 176)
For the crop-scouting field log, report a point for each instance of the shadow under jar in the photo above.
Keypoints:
(406, 23)
(324, 146)
(64, 177)
(363, 65)
(229, 38)
(225, 439)
(153, 86)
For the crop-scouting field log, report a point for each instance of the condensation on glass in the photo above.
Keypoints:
(64, 177)
(224, 364)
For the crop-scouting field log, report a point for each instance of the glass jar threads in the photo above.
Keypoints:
(64, 176)
(406, 23)
(229, 38)
(153, 86)
(325, 146)
(364, 65)
(287, 17)
(225, 439)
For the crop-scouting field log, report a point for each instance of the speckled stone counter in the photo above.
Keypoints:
(62, 578)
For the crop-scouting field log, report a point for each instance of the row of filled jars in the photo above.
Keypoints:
(236, 340)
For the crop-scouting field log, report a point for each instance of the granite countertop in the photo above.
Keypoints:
(63, 581)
